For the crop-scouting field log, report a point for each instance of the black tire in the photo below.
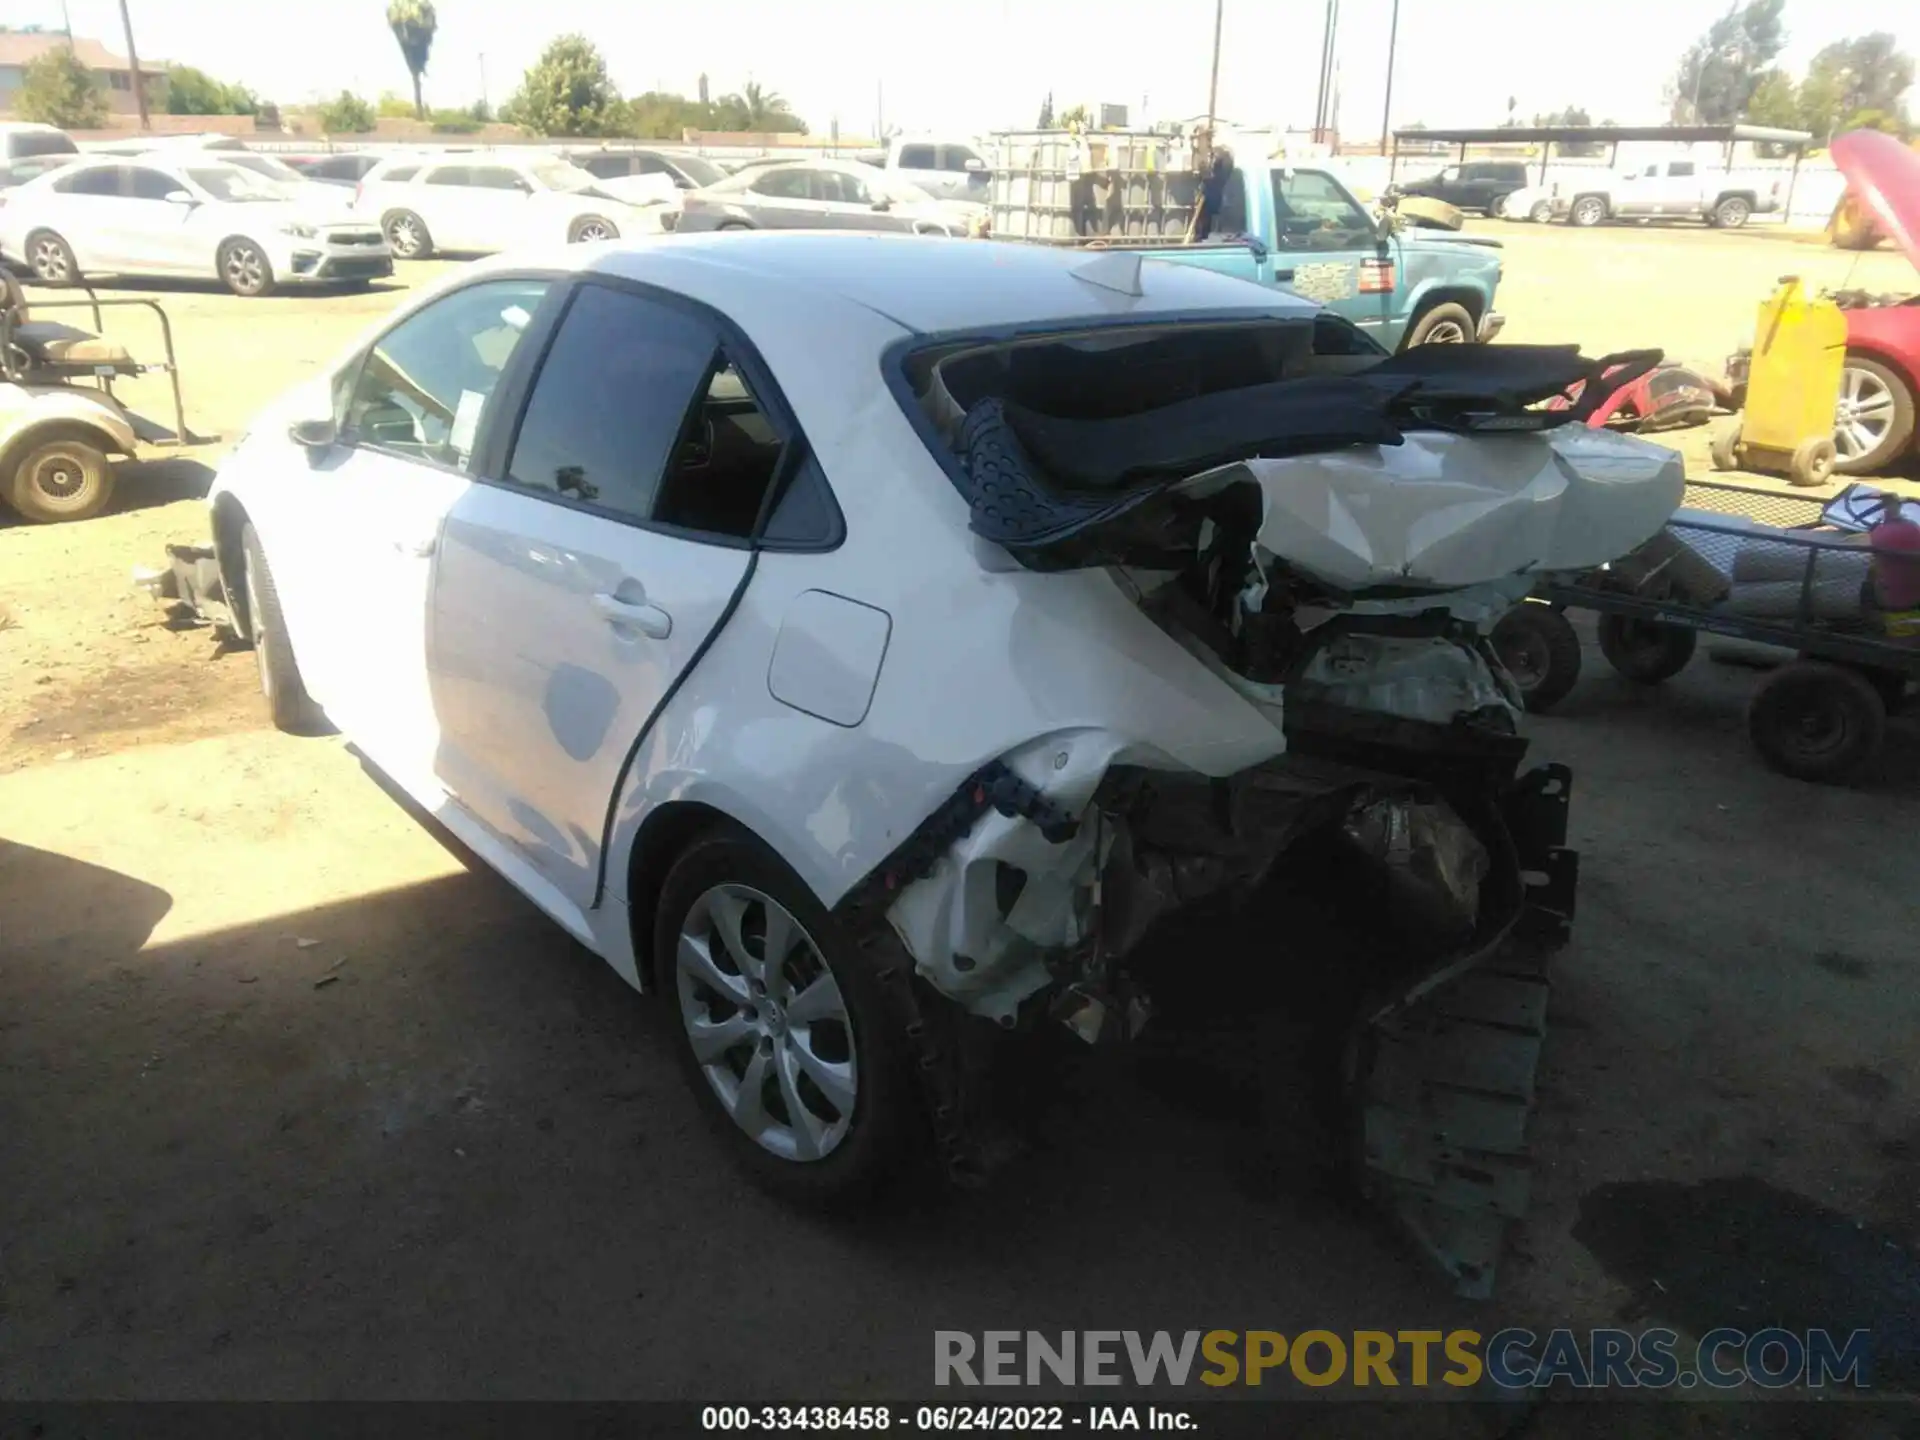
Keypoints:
(1818, 722)
(887, 1133)
(1497, 208)
(59, 473)
(1732, 212)
(245, 270)
(1646, 651)
(288, 703)
(1541, 651)
(407, 235)
(50, 259)
(1898, 436)
(733, 225)
(589, 228)
(1445, 324)
(1587, 211)
(1541, 212)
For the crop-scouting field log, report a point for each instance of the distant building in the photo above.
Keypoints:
(19, 50)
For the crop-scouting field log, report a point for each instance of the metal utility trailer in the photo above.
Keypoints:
(1785, 571)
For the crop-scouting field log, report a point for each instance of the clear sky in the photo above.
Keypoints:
(974, 65)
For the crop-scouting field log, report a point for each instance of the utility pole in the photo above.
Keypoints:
(1213, 83)
(1328, 39)
(66, 19)
(133, 65)
(1386, 110)
(486, 102)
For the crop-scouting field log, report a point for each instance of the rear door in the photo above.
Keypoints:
(89, 212)
(575, 588)
(784, 199)
(500, 207)
(444, 199)
(1326, 248)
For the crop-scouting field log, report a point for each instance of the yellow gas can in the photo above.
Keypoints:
(1793, 389)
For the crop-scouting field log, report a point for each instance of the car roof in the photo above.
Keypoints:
(932, 285)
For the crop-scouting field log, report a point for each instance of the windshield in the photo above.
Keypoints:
(700, 172)
(266, 165)
(226, 182)
(559, 175)
(36, 142)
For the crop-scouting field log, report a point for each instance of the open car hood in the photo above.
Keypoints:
(1886, 176)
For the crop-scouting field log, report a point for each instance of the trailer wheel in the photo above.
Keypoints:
(1816, 721)
(1812, 462)
(1646, 651)
(1541, 651)
(1726, 448)
(61, 473)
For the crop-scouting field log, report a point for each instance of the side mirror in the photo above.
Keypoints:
(313, 434)
(180, 197)
(1384, 225)
(976, 166)
(883, 203)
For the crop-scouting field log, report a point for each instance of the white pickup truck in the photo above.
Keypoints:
(1667, 189)
(945, 169)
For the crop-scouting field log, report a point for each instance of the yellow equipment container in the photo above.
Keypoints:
(1793, 389)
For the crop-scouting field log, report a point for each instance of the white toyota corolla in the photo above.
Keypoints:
(868, 642)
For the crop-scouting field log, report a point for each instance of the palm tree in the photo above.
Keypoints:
(762, 106)
(413, 23)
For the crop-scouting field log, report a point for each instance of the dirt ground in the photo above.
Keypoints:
(296, 1101)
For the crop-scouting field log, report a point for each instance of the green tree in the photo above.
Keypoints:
(413, 24)
(346, 114)
(394, 107)
(1775, 101)
(194, 92)
(1570, 115)
(1866, 74)
(1076, 115)
(759, 111)
(568, 92)
(58, 90)
(1718, 73)
(1046, 112)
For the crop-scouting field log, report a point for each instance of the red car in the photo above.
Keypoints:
(1874, 425)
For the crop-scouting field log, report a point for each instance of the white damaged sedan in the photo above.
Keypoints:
(872, 643)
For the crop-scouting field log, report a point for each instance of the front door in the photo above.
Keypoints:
(160, 234)
(1326, 249)
(574, 589)
(501, 205)
(409, 414)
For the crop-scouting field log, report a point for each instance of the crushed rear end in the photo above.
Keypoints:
(1330, 532)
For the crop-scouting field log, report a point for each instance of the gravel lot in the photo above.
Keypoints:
(296, 1101)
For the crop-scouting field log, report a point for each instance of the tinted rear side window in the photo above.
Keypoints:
(612, 399)
(916, 157)
(34, 142)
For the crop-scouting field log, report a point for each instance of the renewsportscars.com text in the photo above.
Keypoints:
(1511, 1359)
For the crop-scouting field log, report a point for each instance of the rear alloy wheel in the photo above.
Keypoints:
(51, 259)
(1447, 324)
(1587, 211)
(64, 475)
(245, 269)
(407, 235)
(1732, 212)
(785, 1026)
(589, 228)
(1874, 420)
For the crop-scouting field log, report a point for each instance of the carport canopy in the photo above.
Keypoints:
(1611, 136)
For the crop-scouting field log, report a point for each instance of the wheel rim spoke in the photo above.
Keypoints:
(696, 960)
(756, 1032)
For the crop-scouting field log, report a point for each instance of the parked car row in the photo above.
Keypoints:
(1663, 190)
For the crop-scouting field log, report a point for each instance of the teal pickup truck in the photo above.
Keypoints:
(1299, 228)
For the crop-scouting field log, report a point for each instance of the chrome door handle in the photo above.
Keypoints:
(419, 546)
(649, 620)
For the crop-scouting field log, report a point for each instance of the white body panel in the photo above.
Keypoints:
(850, 690)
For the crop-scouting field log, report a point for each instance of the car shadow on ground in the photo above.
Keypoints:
(158, 285)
